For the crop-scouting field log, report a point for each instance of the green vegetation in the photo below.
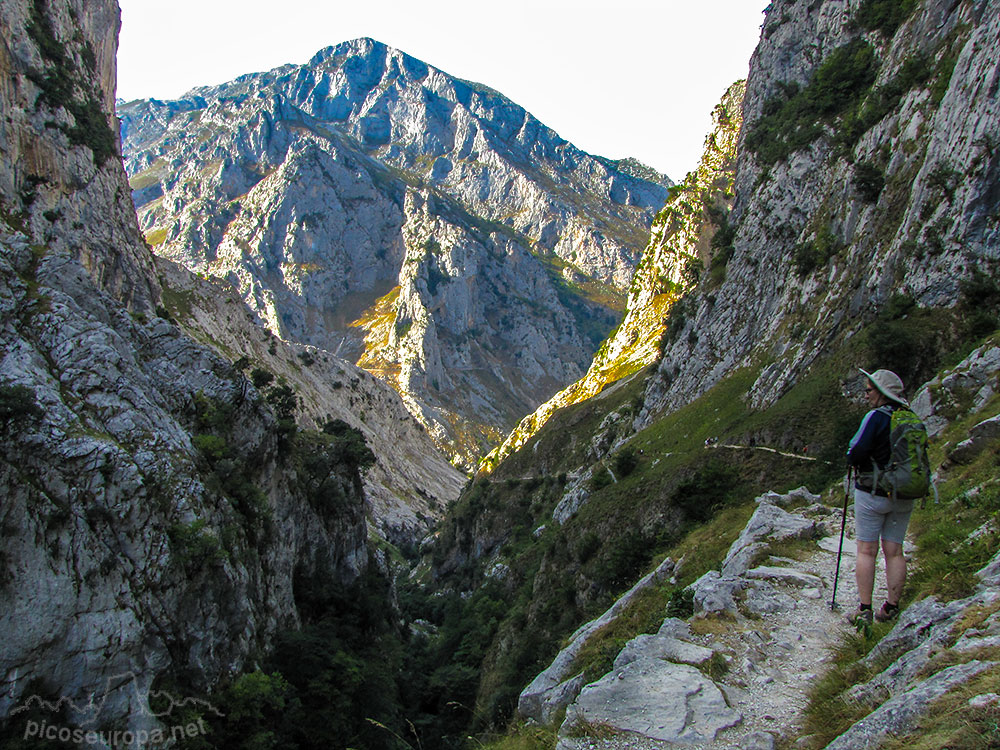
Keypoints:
(62, 85)
(864, 114)
(795, 118)
(17, 404)
(868, 181)
(228, 471)
(333, 683)
(884, 16)
(817, 252)
(194, 545)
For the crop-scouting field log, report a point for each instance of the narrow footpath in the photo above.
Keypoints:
(770, 619)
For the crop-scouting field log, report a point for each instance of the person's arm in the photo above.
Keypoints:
(862, 445)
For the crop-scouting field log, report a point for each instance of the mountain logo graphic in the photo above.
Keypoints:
(85, 713)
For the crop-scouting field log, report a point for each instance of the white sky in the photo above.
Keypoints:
(616, 78)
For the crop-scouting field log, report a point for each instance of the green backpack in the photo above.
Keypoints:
(908, 474)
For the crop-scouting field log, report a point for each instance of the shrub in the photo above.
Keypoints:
(980, 301)
(868, 181)
(884, 16)
(702, 493)
(625, 462)
(681, 603)
(792, 120)
(261, 378)
(61, 86)
(194, 546)
(17, 403)
(816, 253)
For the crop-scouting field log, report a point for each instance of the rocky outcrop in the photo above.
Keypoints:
(143, 533)
(160, 518)
(426, 227)
(973, 381)
(557, 686)
(678, 251)
(888, 188)
(60, 176)
(411, 483)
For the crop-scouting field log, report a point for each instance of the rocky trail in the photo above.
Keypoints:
(737, 674)
(771, 624)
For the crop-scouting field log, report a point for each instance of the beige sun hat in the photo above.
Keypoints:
(888, 384)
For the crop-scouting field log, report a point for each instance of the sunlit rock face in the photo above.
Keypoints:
(424, 226)
(680, 245)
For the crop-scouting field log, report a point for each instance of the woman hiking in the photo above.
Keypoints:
(878, 517)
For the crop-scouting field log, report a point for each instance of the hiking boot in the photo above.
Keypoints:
(863, 614)
(888, 612)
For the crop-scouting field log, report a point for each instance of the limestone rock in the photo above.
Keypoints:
(714, 592)
(768, 523)
(899, 714)
(679, 239)
(784, 575)
(554, 688)
(426, 227)
(806, 199)
(976, 375)
(656, 699)
(980, 437)
(662, 647)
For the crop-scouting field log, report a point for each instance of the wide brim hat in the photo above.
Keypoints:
(888, 384)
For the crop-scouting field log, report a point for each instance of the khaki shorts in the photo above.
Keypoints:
(878, 517)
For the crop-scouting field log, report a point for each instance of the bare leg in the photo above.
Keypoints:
(895, 570)
(864, 570)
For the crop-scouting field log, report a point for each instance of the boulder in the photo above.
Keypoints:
(980, 437)
(763, 598)
(662, 647)
(714, 592)
(899, 714)
(656, 699)
(990, 574)
(768, 523)
(555, 687)
(785, 575)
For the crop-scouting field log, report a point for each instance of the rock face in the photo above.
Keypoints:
(411, 483)
(156, 518)
(889, 188)
(427, 227)
(60, 173)
(679, 246)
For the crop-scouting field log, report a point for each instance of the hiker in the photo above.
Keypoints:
(877, 516)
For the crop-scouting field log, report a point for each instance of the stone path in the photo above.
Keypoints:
(777, 642)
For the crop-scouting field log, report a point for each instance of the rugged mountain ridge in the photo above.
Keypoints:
(680, 245)
(163, 517)
(425, 226)
(863, 233)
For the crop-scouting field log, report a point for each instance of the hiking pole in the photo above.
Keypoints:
(840, 548)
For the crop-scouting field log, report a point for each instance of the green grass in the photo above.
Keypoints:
(829, 712)
(523, 737)
(792, 121)
(952, 723)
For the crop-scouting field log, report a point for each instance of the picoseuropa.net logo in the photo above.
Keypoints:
(140, 738)
(78, 722)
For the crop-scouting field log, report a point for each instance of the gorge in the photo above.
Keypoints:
(256, 342)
